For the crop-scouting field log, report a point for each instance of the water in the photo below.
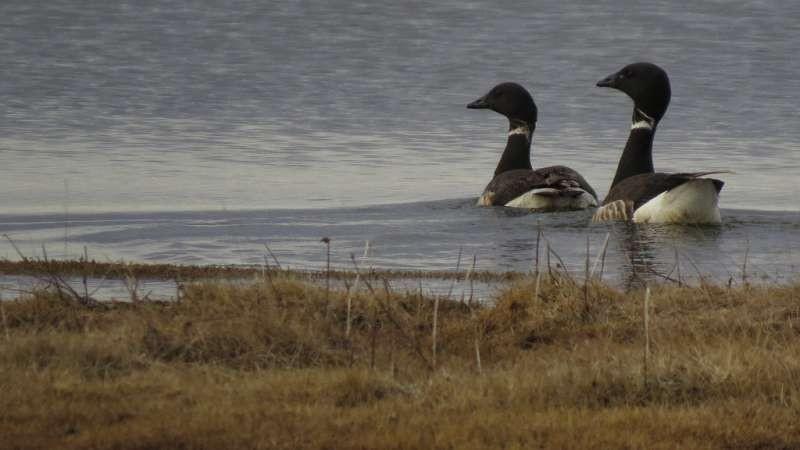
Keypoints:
(761, 245)
(196, 131)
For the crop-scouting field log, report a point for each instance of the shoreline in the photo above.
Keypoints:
(286, 363)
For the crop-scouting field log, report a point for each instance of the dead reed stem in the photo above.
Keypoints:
(601, 258)
(352, 291)
(268, 275)
(646, 314)
(561, 263)
(16, 249)
(373, 338)
(744, 264)
(5, 321)
(327, 242)
(538, 238)
(274, 258)
(470, 280)
(433, 332)
(586, 281)
(478, 355)
(84, 277)
(66, 218)
(458, 266)
(549, 272)
(355, 289)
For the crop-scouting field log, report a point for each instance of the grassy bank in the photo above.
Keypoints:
(282, 364)
(96, 269)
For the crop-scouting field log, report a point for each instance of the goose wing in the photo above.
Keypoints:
(641, 188)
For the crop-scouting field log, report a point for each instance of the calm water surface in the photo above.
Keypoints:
(197, 131)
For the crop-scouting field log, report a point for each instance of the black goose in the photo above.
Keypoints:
(515, 183)
(638, 193)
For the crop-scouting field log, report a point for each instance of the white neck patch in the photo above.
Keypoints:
(644, 122)
(523, 130)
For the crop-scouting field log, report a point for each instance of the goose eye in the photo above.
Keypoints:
(627, 73)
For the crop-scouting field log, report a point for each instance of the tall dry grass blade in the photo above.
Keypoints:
(373, 338)
(538, 238)
(561, 263)
(478, 355)
(132, 286)
(601, 258)
(353, 292)
(700, 276)
(586, 282)
(458, 266)
(178, 290)
(433, 332)
(549, 271)
(536, 288)
(16, 249)
(646, 319)
(274, 258)
(674, 266)
(586, 265)
(101, 280)
(369, 271)
(66, 219)
(327, 242)
(350, 293)
(63, 288)
(275, 291)
(470, 280)
(419, 304)
(84, 277)
(678, 265)
(5, 321)
(744, 264)
(477, 340)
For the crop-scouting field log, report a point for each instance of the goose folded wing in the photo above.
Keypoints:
(639, 189)
(566, 178)
(509, 185)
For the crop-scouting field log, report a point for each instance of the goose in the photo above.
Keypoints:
(515, 183)
(638, 193)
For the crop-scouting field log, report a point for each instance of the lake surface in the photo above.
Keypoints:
(198, 131)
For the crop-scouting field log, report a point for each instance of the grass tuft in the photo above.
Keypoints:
(551, 363)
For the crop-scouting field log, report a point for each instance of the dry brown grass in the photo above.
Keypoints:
(121, 270)
(268, 365)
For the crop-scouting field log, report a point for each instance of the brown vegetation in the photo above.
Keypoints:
(96, 269)
(281, 364)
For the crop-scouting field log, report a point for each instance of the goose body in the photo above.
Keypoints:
(638, 193)
(515, 183)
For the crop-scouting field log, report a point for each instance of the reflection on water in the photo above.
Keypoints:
(657, 252)
(427, 236)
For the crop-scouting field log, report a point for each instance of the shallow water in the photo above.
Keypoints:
(429, 236)
(197, 131)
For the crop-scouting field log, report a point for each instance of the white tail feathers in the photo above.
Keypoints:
(693, 202)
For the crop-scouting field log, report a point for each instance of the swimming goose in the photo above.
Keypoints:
(515, 183)
(638, 193)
